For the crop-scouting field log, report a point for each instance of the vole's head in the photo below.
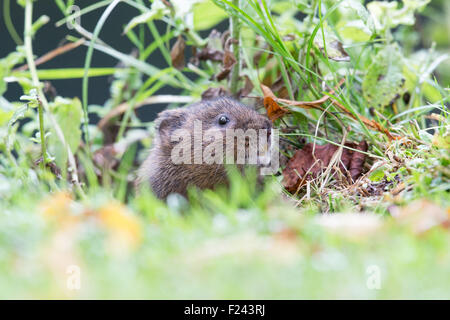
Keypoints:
(221, 115)
(226, 113)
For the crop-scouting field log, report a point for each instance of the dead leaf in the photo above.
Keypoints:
(280, 88)
(336, 51)
(210, 54)
(357, 160)
(105, 157)
(108, 156)
(273, 109)
(213, 50)
(312, 104)
(371, 123)
(228, 62)
(212, 93)
(305, 165)
(52, 166)
(273, 101)
(177, 53)
(248, 87)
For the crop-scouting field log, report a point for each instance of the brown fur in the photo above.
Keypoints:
(164, 176)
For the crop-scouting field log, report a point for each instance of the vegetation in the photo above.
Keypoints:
(327, 72)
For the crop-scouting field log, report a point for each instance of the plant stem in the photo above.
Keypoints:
(43, 103)
(42, 133)
(235, 30)
(34, 77)
(9, 25)
(87, 65)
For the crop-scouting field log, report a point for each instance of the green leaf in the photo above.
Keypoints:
(355, 22)
(5, 116)
(18, 114)
(378, 174)
(68, 114)
(207, 15)
(66, 73)
(32, 98)
(355, 30)
(384, 79)
(301, 121)
(6, 65)
(39, 23)
(431, 93)
(387, 15)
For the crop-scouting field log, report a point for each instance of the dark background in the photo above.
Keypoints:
(49, 37)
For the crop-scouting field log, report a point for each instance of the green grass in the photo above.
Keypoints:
(244, 243)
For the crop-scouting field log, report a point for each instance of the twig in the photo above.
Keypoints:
(235, 34)
(52, 54)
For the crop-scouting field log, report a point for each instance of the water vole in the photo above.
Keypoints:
(221, 116)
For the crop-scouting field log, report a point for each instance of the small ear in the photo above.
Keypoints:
(169, 120)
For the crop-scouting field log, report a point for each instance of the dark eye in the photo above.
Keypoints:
(223, 120)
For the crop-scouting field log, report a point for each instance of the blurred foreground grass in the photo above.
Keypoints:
(241, 245)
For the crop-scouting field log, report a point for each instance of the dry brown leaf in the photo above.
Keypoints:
(306, 165)
(212, 93)
(312, 104)
(228, 62)
(273, 109)
(272, 103)
(177, 53)
(50, 165)
(210, 54)
(248, 87)
(371, 123)
(213, 50)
